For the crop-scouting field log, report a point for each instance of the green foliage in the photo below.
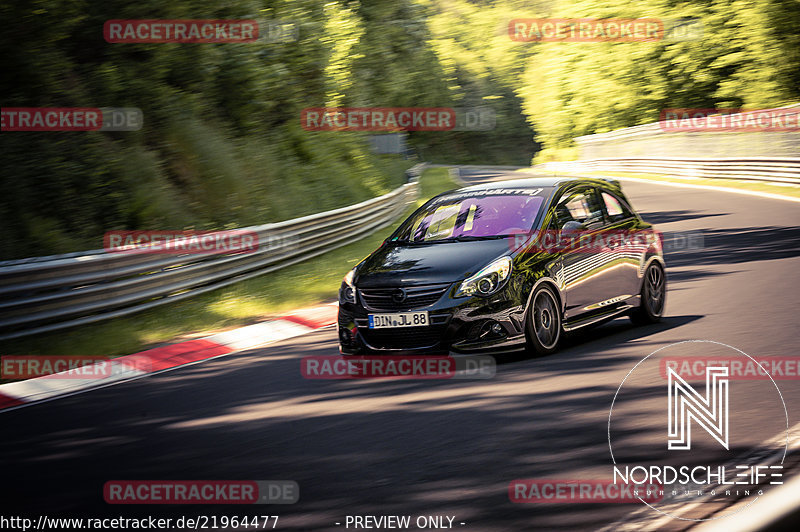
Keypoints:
(222, 145)
(748, 56)
(481, 66)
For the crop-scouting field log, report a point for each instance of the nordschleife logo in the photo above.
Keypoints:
(727, 434)
(710, 411)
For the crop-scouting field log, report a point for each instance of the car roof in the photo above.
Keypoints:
(537, 182)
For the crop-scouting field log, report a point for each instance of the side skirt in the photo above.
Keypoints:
(596, 318)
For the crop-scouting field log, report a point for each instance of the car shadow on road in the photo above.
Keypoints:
(585, 341)
(665, 217)
(740, 245)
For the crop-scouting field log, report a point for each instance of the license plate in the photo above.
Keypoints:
(399, 319)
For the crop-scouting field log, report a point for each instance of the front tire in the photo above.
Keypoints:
(543, 322)
(653, 296)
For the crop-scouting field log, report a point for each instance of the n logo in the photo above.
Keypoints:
(685, 404)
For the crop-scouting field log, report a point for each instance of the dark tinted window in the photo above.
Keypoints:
(579, 206)
(615, 207)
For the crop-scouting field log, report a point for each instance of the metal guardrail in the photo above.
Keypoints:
(776, 169)
(665, 139)
(413, 173)
(750, 153)
(44, 294)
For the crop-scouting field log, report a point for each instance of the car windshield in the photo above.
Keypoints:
(467, 217)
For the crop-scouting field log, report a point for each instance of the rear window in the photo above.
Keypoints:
(484, 216)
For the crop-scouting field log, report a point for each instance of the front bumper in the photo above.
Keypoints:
(458, 326)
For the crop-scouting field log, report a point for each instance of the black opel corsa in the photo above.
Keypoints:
(498, 266)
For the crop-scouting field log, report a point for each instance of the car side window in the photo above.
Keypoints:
(616, 209)
(579, 206)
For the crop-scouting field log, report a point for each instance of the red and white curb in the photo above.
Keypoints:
(22, 393)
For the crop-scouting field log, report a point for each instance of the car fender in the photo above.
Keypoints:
(550, 280)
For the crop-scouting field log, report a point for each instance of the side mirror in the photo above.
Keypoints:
(572, 227)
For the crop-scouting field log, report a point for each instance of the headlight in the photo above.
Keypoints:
(488, 280)
(347, 292)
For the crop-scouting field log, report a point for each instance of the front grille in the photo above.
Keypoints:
(405, 338)
(385, 299)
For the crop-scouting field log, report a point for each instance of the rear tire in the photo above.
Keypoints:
(653, 296)
(543, 322)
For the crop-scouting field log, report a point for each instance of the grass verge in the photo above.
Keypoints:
(307, 283)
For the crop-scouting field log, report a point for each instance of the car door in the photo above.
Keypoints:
(588, 279)
(624, 243)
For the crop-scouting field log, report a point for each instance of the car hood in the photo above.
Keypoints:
(445, 262)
